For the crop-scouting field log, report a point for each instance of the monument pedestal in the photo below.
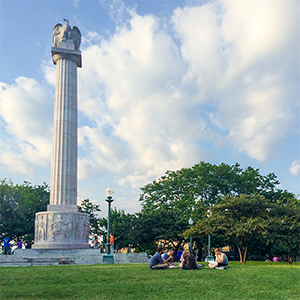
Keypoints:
(61, 230)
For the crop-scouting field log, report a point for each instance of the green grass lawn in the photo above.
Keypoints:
(253, 280)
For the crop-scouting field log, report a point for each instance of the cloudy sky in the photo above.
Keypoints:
(163, 85)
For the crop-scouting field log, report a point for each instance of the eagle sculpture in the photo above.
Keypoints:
(66, 33)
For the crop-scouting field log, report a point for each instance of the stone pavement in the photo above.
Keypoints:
(21, 257)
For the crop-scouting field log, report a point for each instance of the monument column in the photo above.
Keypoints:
(63, 194)
(62, 227)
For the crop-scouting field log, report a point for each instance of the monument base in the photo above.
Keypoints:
(108, 259)
(61, 230)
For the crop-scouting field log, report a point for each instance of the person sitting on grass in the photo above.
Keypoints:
(188, 261)
(156, 262)
(220, 261)
(95, 242)
(184, 254)
(267, 258)
(168, 256)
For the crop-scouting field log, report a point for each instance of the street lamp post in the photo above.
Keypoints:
(103, 237)
(209, 257)
(108, 258)
(191, 239)
(209, 246)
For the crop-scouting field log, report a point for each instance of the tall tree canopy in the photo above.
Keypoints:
(88, 207)
(206, 183)
(248, 220)
(18, 205)
(284, 228)
(239, 219)
(171, 200)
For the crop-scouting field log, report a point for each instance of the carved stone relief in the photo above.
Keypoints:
(60, 227)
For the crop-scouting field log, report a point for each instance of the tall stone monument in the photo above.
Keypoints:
(61, 226)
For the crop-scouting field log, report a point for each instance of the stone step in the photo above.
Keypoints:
(24, 257)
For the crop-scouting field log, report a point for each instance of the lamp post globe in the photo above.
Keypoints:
(108, 258)
(109, 193)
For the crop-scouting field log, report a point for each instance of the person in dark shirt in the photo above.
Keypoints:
(6, 246)
(156, 262)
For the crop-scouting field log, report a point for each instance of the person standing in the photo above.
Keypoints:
(6, 246)
(112, 243)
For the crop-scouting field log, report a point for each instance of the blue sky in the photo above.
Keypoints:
(163, 85)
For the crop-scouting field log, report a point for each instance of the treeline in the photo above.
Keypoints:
(237, 207)
(18, 205)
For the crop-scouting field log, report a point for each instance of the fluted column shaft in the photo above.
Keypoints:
(63, 193)
(64, 155)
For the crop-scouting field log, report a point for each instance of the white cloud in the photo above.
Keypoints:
(295, 167)
(139, 71)
(49, 71)
(237, 55)
(149, 95)
(27, 122)
(154, 92)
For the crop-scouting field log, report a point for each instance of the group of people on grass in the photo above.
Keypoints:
(164, 260)
(268, 259)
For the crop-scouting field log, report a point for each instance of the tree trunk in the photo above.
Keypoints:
(200, 253)
(290, 257)
(245, 255)
(242, 253)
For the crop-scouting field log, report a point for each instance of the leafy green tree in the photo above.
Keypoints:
(178, 195)
(239, 219)
(18, 206)
(284, 228)
(144, 234)
(122, 226)
(88, 207)
(207, 183)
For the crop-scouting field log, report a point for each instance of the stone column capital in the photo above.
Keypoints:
(60, 53)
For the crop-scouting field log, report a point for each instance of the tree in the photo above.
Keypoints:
(207, 183)
(171, 200)
(240, 219)
(284, 228)
(18, 206)
(121, 227)
(88, 207)
(144, 233)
